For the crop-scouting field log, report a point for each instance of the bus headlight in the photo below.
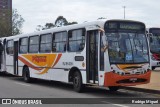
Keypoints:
(123, 73)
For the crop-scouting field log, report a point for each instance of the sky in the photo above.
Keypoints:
(39, 12)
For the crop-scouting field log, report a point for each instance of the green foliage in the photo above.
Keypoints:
(46, 26)
(17, 22)
(59, 22)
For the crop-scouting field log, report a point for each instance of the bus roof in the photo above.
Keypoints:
(152, 29)
(69, 27)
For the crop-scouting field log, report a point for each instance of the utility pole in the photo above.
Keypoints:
(124, 12)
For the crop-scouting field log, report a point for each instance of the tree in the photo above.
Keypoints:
(71, 23)
(17, 22)
(61, 21)
(46, 26)
(49, 25)
(9, 27)
(101, 18)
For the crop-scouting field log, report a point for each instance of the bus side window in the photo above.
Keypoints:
(59, 42)
(9, 47)
(23, 45)
(46, 43)
(76, 40)
(34, 44)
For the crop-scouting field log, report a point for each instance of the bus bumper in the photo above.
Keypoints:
(113, 79)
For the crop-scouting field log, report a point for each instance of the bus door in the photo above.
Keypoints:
(92, 56)
(15, 58)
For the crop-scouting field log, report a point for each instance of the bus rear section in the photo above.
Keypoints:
(154, 43)
(126, 61)
(2, 55)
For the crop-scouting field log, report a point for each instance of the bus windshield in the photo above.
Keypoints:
(127, 48)
(155, 43)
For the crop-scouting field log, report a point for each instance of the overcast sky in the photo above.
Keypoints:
(39, 12)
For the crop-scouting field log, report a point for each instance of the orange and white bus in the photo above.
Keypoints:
(154, 42)
(110, 53)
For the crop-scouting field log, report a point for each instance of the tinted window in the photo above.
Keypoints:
(46, 43)
(34, 44)
(10, 47)
(59, 42)
(23, 45)
(76, 40)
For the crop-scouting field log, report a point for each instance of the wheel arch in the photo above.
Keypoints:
(71, 74)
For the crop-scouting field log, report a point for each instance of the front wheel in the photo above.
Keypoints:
(77, 82)
(26, 75)
(113, 88)
(153, 68)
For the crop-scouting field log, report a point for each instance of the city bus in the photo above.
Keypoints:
(110, 53)
(154, 42)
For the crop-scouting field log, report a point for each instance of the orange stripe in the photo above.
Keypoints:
(28, 64)
(58, 58)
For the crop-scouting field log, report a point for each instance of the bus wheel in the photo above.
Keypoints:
(153, 68)
(113, 88)
(77, 82)
(26, 75)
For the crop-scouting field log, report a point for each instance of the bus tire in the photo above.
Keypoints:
(77, 82)
(26, 75)
(113, 88)
(153, 68)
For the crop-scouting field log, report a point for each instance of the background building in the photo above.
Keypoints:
(5, 16)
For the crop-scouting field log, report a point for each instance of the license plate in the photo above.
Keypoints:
(133, 79)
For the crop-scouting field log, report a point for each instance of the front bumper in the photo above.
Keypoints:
(112, 79)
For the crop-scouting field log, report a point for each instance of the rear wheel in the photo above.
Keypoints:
(113, 88)
(77, 82)
(26, 75)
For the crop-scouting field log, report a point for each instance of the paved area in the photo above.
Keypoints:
(15, 87)
(154, 83)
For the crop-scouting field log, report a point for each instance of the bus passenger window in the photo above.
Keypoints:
(46, 43)
(23, 46)
(9, 47)
(59, 42)
(34, 44)
(76, 40)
